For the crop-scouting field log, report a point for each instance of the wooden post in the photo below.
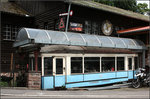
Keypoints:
(36, 60)
(11, 64)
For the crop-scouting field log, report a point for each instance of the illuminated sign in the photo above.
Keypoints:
(75, 26)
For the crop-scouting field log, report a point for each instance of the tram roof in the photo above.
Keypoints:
(28, 37)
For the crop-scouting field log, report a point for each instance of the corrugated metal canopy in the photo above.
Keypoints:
(28, 36)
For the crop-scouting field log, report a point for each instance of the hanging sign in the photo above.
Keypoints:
(61, 24)
(65, 14)
(75, 26)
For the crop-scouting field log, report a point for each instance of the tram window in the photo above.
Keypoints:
(136, 62)
(76, 64)
(108, 64)
(120, 63)
(130, 63)
(91, 64)
(48, 66)
(59, 66)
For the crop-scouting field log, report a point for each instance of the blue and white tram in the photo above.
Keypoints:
(79, 60)
(80, 70)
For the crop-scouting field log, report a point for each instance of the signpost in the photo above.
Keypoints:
(70, 13)
(65, 14)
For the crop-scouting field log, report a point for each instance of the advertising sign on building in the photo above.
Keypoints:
(76, 26)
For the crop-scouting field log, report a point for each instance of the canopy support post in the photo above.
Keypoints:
(36, 60)
(143, 58)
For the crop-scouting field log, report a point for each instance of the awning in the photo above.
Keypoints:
(28, 37)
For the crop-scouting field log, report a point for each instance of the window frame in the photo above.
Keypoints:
(10, 32)
(82, 65)
(99, 64)
(117, 63)
(114, 63)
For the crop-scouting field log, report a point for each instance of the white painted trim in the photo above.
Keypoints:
(67, 60)
(100, 64)
(42, 66)
(115, 63)
(126, 63)
(68, 66)
(86, 55)
(83, 64)
(54, 65)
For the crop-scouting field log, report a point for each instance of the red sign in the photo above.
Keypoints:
(61, 24)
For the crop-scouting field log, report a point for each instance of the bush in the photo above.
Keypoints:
(3, 84)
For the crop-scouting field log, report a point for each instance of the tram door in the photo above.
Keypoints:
(59, 71)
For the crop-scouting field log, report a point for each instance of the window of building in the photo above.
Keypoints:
(120, 63)
(7, 32)
(76, 64)
(91, 64)
(14, 32)
(10, 32)
(108, 64)
(48, 66)
(95, 29)
(136, 63)
(87, 27)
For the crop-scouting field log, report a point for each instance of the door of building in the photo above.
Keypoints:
(59, 71)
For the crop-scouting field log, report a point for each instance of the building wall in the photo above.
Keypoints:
(47, 16)
(11, 24)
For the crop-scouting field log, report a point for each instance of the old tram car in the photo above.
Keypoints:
(79, 60)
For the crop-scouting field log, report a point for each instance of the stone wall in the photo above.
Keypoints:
(34, 80)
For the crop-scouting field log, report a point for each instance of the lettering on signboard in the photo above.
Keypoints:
(75, 26)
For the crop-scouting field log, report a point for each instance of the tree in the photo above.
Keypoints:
(127, 5)
(142, 8)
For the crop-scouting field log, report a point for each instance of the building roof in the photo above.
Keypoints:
(12, 8)
(30, 37)
(99, 6)
(139, 30)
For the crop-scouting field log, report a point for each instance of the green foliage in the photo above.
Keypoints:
(142, 8)
(3, 84)
(127, 5)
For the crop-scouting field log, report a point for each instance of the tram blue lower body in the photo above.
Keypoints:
(82, 80)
